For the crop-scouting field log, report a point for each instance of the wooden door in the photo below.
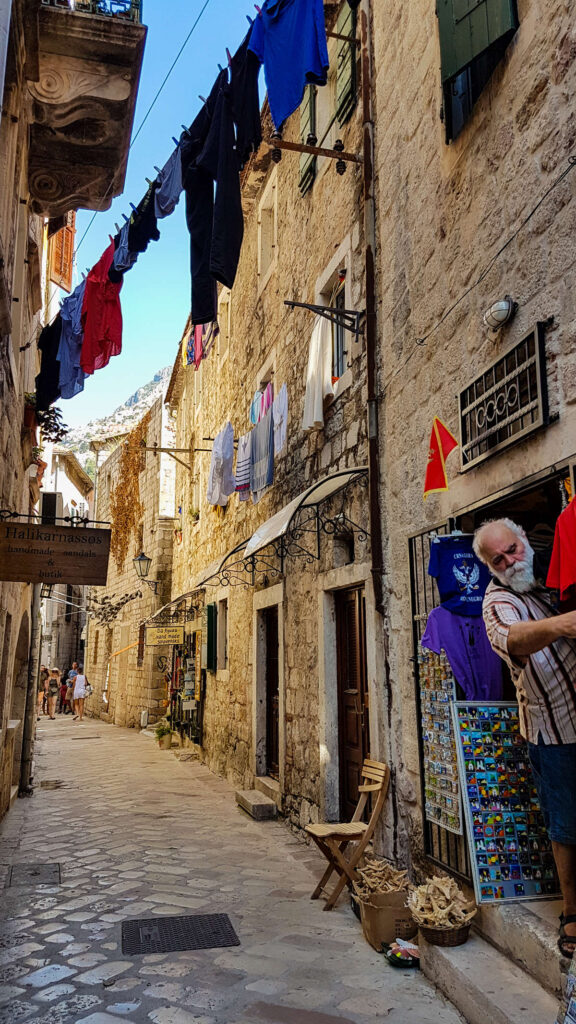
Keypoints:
(353, 721)
(272, 692)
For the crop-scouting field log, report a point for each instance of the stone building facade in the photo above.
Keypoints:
(128, 678)
(282, 708)
(45, 121)
(454, 237)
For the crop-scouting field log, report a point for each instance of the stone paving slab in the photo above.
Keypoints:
(140, 833)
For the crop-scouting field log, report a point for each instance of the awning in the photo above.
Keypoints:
(278, 525)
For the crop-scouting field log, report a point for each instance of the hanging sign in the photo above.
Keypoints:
(510, 851)
(160, 636)
(34, 553)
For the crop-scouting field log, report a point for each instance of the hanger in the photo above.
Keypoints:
(127, 219)
(229, 57)
(203, 98)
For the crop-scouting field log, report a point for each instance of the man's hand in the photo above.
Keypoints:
(527, 638)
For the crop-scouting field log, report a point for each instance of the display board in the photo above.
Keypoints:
(510, 851)
(443, 804)
(567, 1011)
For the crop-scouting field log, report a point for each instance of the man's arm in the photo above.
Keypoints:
(526, 638)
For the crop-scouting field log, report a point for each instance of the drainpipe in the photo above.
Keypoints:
(25, 788)
(371, 321)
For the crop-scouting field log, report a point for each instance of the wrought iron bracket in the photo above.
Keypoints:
(6, 513)
(349, 319)
(157, 450)
(301, 147)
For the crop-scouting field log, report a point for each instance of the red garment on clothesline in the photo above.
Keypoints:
(101, 316)
(562, 571)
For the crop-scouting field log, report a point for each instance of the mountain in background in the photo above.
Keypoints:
(121, 421)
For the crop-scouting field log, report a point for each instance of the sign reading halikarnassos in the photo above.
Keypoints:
(35, 553)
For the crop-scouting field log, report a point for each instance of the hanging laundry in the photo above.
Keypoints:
(124, 259)
(47, 381)
(221, 481)
(209, 334)
(215, 223)
(256, 408)
(319, 375)
(188, 349)
(243, 463)
(267, 399)
(289, 38)
(101, 316)
(461, 578)
(72, 375)
(562, 571)
(477, 669)
(262, 457)
(280, 414)
(167, 194)
(245, 69)
(143, 228)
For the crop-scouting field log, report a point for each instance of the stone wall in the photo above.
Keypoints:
(444, 212)
(316, 235)
(123, 684)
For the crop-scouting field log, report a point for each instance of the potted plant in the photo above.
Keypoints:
(30, 420)
(52, 425)
(194, 514)
(442, 911)
(164, 734)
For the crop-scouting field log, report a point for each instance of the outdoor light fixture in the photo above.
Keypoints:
(499, 313)
(142, 565)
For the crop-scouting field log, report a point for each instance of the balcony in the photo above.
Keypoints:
(83, 88)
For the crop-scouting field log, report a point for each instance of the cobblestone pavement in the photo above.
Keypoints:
(140, 834)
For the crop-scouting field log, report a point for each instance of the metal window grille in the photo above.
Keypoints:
(130, 9)
(441, 847)
(506, 403)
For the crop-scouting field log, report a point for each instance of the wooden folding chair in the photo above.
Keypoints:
(333, 839)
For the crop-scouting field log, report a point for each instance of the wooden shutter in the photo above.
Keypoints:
(307, 127)
(470, 27)
(61, 254)
(346, 76)
(211, 652)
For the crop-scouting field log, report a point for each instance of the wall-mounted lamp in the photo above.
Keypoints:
(499, 313)
(142, 566)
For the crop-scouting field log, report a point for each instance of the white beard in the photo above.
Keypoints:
(520, 576)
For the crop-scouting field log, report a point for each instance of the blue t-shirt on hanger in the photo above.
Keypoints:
(461, 578)
(289, 38)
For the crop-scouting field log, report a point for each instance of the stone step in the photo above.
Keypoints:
(260, 807)
(269, 787)
(485, 986)
(527, 933)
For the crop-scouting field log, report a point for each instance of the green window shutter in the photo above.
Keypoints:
(346, 76)
(307, 127)
(211, 617)
(468, 28)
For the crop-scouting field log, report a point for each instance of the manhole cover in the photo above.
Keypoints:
(174, 934)
(51, 784)
(34, 874)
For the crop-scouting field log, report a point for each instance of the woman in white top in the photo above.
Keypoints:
(80, 684)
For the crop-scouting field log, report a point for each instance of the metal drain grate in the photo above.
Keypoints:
(175, 934)
(34, 874)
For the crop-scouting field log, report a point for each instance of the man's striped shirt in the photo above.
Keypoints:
(545, 681)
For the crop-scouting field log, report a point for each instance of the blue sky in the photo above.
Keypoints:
(156, 292)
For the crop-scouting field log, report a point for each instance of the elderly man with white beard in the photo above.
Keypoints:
(539, 647)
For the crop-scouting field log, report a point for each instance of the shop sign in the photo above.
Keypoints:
(35, 553)
(162, 636)
(189, 705)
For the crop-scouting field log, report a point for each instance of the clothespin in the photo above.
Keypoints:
(250, 20)
(110, 237)
(175, 141)
(83, 277)
(127, 219)
(229, 57)
(220, 68)
(259, 9)
(185, 130)
(133, 207)
(203, 98)
(157, 169)
(148, 180)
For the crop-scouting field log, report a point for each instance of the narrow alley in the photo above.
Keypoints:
(139, 834)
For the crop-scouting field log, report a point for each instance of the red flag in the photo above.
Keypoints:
(442, 442)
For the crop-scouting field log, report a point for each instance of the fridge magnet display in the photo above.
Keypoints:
(510, 852)
(441, 785)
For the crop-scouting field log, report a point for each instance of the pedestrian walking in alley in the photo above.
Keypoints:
(70, 696)
(53, 690)
(81, 690)
(62, 700)
(42, 689)
(539, 647)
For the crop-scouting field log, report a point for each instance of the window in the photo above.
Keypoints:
(222, 640)
(473, 37)
(328, 107)
(267, 232)
(339, 338)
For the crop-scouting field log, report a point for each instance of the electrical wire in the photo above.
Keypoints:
(483, 274)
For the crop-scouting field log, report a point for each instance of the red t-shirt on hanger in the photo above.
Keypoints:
(562, 571)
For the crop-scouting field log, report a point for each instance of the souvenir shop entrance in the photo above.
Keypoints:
(535, 505)
(188, 688)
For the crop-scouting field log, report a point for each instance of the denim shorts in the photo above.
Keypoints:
(554, 769)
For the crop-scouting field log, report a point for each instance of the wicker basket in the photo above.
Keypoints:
(445, 936)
